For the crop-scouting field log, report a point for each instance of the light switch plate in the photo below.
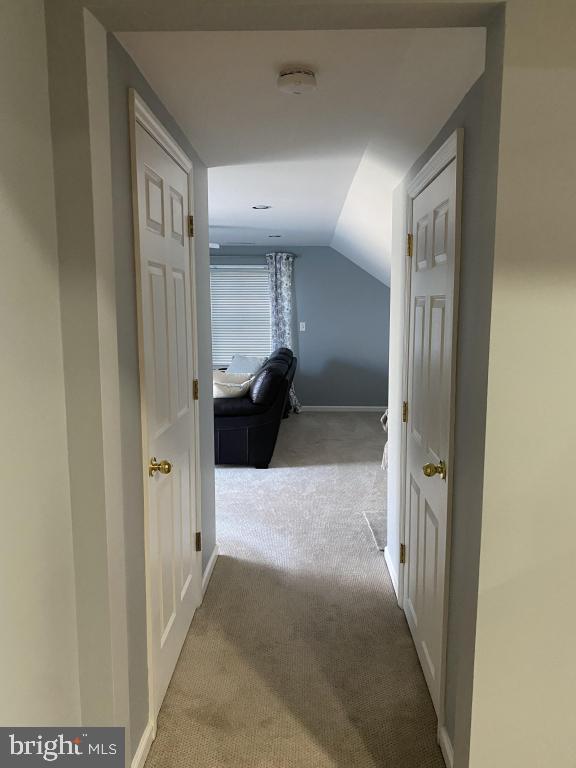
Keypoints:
(302, 327)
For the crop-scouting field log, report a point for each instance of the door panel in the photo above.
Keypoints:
(154, 201)
(437, 419)
(441, 216)
(430, 565)
(165, 313)
(417, 362)
(412, 589)
(181, 342)
(430, 393)
(177, 216)
(421, 249)
(186, 534)
(160, 385)
(165, 516)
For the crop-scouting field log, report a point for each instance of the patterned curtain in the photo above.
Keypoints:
(280, 276)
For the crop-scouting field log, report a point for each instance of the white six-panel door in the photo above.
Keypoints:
(165, 309)
(428, 428)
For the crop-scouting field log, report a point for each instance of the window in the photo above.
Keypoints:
(240, 312)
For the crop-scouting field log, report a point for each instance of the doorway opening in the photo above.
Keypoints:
(300, 632)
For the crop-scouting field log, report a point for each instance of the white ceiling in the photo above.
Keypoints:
(326, 161)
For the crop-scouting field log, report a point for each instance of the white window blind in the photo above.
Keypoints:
(240, 312)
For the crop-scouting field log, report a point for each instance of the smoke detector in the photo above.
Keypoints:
(296, 81)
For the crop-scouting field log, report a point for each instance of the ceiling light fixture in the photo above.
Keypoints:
(274, 235)
(296, 81)
(261, 207)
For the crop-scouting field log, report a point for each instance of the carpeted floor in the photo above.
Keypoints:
(299, 656)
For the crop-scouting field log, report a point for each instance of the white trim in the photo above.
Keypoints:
(196, 375)
(151, 686)
(405, 398)
(446, 746)
(343, 408)
(140, 114)
(148, 120)
(144, 747)
(451, 150)
(439, 160)
(391, 570)
(96, 52)
(209, 569)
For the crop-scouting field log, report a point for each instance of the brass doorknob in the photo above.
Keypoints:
(435, 469)
(159, 466)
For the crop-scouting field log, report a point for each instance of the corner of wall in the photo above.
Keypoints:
(96, 45)
(39, 663)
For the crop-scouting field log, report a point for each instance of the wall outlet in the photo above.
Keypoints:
(302, 327)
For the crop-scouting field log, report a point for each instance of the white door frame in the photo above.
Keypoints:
(142, 115)
(452, 149)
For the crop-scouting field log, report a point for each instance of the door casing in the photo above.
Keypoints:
(452, 149)
(142, 115)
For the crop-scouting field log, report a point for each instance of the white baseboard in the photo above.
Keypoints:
(391, 569)
(207, 575)
(446, 747)
(342, 408)
(144, 747)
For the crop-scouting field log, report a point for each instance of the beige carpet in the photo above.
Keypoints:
(299, 656)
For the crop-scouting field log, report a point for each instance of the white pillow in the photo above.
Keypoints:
(246, 364)
(230, 384)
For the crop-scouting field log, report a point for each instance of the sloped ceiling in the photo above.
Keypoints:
(363, 231)
(326, 162)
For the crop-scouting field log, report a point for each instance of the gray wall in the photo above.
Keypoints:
(479, 115)
(39, 660)
(343, 354)
(123, 74)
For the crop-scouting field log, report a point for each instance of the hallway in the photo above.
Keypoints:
(299, 656)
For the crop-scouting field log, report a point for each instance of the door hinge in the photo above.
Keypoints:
(405, 412)
(409, 244)
(402, 554)
(190, 226)
(198, 541)
(195, 389)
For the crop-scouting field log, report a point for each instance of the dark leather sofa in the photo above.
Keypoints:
(246, 428)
